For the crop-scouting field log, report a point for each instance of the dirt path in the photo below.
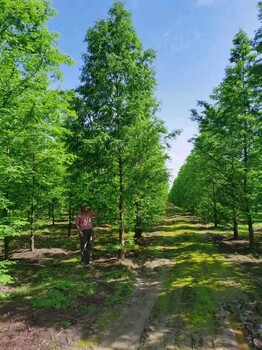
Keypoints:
(126, 333)
(141, 327)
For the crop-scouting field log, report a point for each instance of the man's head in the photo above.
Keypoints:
(84, 207)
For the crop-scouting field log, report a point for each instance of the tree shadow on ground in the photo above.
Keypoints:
(188, 306)
(200, 281)
(55, 299)
(88, 299)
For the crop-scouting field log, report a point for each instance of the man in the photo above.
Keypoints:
(84, 224)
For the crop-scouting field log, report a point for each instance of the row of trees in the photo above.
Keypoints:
(31, 114)
(101, 143)
(221, 179)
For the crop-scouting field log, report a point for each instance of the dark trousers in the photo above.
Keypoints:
(86, 245)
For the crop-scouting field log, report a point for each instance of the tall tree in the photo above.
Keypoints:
(257, 44)
(147, 177)
(230, 137)
(235, 97)
(117, 94)
(29, 64)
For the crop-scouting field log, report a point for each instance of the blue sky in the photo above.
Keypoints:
(192, 39)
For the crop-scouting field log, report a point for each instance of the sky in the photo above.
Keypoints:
(192, 39)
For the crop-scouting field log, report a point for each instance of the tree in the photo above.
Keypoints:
(147, 183)
(236, 97)
(117, 101)
(29, 64)
(229, 141)
(257, 45)
(216, 146)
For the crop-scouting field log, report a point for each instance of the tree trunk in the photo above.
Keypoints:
(138, 234)
(121, 252)
(53, 213)
(3, 214)
(138, 226)
(250, 230)
(246, 198)
(235, 225)
(7, 247)
(69, 232)
(32, 210)
(32, 233)
(215, 215)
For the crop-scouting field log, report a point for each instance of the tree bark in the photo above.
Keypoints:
(32, 233)
(235, 225)
(53, 213)
(69, 232)
(215, 215)
(7, 247)
(246, 198)
(121, 252)
(32, 209)
(138, 226)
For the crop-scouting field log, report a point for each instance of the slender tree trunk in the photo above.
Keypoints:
(69, 232)
(121, 252)
(4, 214)
(7, 247)
(53, 213)
(235, 225)
(32, 229)
(250, 230)
(138, 228)
(246, 198)
(215, 214)
(32, 210)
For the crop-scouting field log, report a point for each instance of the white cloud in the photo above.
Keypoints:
(174, 43)
(170, 42)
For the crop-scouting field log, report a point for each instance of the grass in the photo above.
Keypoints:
(56, 284)
(200, 280)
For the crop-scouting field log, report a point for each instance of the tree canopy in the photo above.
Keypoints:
(224, 169)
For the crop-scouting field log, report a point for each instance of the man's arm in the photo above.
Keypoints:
(78, 227)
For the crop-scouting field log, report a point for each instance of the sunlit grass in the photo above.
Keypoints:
(201, 278)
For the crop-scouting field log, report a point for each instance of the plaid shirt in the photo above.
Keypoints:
(84, 220)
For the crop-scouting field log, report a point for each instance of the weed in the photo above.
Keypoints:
(55, 299)
(65, 324)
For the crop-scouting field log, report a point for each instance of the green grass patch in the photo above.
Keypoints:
(200, 280)
(59, 283)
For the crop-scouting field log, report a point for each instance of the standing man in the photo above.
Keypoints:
(84, 224)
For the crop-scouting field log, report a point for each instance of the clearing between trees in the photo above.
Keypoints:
(186, 286)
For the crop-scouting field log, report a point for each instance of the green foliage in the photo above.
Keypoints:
(11, 226)
(116, 137)
(33, 159)
(221, 179)
(5, 278)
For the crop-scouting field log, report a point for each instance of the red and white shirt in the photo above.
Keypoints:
(84, 220)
